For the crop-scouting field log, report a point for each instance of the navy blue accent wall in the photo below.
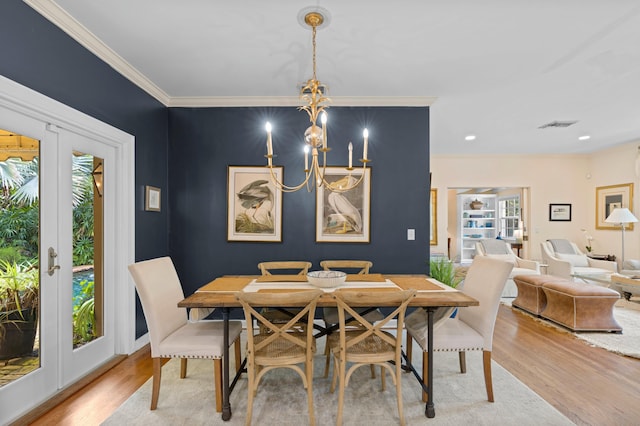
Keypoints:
(36, 54)
(204, 141)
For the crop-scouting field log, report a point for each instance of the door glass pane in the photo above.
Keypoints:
(87, 255)
(19, 263)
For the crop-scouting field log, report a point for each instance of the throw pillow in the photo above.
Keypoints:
(578, 260)
(631, 264)
(507, 257)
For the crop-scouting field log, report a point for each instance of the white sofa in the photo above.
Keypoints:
(566, 260)
(500, 249)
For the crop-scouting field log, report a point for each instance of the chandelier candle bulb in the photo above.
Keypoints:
(365, 134)
(323, 118)
(350, 155)
(269, 143)
(306, 158)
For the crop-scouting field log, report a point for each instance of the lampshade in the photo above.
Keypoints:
(621, 215)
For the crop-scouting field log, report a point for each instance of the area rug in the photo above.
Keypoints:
(281, 400)
(626, 313)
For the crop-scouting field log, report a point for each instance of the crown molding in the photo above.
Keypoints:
(294, 101)
(59, 17)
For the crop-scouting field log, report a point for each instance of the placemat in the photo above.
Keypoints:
(378, 278)
(422, 283)
(282, 278)
(226, 284)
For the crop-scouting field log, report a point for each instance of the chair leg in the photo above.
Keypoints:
(238, 353)
(425, 373)
(155, 389)
(251, 373)
(373, 371)
(217, 383)
(327, 361)
(341, 391)
(309, 373)
(462, 355)
(409, 347)
(183, 368)
(399, 390)
(488, 381)
(334, 378)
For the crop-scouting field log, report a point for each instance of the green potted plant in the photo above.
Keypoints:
(19, 293)
(443, 270)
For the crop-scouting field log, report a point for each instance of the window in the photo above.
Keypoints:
(508, 216)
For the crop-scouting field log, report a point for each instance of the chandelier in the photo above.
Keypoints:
(315, 137)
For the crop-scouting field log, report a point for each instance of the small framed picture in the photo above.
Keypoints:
(560, 212)
(152, 199)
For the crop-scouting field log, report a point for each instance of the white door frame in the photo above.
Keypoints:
(51, 113)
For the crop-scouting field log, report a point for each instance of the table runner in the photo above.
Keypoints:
(303, 278)
(255, 285)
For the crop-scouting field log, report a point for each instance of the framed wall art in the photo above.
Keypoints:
(560, 212)
(152, 199)
(609, 198)
(433, 210)
(344, 217)
(254, 204)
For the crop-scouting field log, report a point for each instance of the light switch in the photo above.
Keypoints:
(411, 234)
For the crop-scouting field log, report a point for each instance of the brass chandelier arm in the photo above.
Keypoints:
(318, 171)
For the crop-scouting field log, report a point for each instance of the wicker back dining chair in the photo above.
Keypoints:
(170, 333)
(295, 266)
(283, 345)
(369, 343)
(286, 265)
(358, 266)
(330, 314)
(472, 328)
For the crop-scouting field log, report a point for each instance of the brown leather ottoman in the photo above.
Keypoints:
(580, 306)
(530, 296)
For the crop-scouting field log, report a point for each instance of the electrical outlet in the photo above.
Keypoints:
(411, 234)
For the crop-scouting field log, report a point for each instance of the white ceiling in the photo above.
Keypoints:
(498, 69)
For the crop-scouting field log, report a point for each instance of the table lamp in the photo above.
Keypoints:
(621, 216)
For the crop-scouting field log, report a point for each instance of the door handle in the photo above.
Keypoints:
(52, 260)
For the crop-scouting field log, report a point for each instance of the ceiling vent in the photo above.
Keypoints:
(557, 124)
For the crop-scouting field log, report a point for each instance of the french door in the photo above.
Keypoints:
(71, 164)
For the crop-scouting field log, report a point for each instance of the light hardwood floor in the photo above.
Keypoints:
(591, 386)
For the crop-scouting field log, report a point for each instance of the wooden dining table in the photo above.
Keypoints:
(431, 295)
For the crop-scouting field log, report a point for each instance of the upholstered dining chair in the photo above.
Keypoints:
(330, 314)
(170, 333)
(472, 328)
(369, 343)
(282, 345)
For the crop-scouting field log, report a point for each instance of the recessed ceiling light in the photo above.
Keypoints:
(470, 137)
(584, 138)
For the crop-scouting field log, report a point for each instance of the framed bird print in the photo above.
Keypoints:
(343, 217)
(254, 204)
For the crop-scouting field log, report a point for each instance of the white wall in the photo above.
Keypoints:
(551, 179)
(612, 167)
